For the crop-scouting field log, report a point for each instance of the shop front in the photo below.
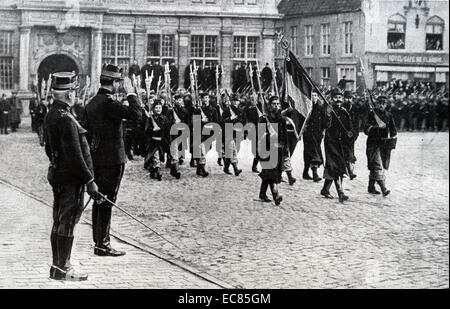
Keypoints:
(433, 68)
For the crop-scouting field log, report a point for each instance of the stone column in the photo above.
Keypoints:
(183, 54)
(96, 58)
(24, 59)
(140, 45)
(267, 48)
(226, 48)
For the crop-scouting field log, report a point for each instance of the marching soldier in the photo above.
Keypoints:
(70, 170)
(312, 140)
(175, 154)
(32, 107)
(271, 175)
(40, 112)
(157, 133)
(380, 141)
(183, 115)
(5, 108)
(351, 158)
(104, 117)
(231, 114)
(253, 115)
(338, 127)
(209, 115)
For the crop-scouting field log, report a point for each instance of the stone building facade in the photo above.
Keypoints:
(329, 37)
(38, 37)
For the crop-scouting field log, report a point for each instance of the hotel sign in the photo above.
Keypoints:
(415, 59)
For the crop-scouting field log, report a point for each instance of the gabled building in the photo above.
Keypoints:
(40, 37)
(395, 39)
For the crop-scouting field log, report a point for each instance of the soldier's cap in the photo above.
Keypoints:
(111, 71)
(157, 102)
(336, 91)
(347, 94)
(203, 94)
(273, 98)
(382, 97)
(234, 97)
(64, 81)
(178, 96)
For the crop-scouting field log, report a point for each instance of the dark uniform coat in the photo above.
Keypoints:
(269, 173)
(354, 118)
(67, 147)
(312, 137)
(378, 154)
(104, 123)
(336, 143)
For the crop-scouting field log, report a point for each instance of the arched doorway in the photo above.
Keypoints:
(56, 63)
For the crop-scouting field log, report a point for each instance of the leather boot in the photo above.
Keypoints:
(326, 189)
(63, 270)
(342, 196)
(262, 192)
(174, 171)
(236, 169)
(193, 163)
(54, 244)
(316, 177)
(219, 162)
(371, 188)
(255, 165)
(275, 194)
(201, 170)
(226, 168)
(382, 185)
(64, 244)
(291, 178)
(158, 175)
(306, 174)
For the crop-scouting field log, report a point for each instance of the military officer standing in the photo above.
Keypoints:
(70, 170)
(104, 117)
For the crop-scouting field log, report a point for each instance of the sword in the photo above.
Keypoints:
(133, 217)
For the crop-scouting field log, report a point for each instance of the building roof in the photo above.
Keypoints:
(317, 7)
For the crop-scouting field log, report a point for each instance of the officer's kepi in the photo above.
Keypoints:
(64, 81)
(112, 72)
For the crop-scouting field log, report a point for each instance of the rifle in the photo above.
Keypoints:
(232, 113)
(43, 89)
(148, 84)
(157, 85)
(274, 80)
(258, 78)
(254, 96)
(380, 122)
(219, 103)
(169, 92)
(86, 90)
(49, 83)
(139, 95)
(36, 88)
(194, 82)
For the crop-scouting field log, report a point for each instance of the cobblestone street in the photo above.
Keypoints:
(400, 241)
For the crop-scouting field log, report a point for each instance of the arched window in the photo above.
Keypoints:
(434, 36)
(396, 32)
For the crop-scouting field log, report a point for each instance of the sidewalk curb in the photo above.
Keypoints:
(138, 245)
